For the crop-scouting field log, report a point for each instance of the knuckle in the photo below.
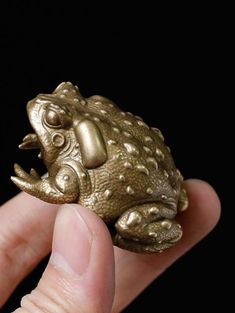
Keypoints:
(41, 301)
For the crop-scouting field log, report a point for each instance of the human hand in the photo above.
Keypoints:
(80, 275)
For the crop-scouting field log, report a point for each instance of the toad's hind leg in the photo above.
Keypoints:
(147, 228)
(183, 200)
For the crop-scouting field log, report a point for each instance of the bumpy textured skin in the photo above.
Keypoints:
(109, 161)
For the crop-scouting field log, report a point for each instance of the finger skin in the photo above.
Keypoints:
(26, 226)
(80, 273)
(200, 218)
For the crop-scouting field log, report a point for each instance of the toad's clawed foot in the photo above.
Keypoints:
(42, 188)
(145, 229)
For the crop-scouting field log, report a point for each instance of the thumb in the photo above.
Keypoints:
(80, 274)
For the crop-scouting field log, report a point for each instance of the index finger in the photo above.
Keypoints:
(26, 225)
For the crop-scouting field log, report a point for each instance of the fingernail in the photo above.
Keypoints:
(72, 241)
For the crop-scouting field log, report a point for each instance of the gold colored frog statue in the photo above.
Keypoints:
(109, 161)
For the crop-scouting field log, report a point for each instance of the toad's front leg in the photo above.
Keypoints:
(61, 188)
(147, 228)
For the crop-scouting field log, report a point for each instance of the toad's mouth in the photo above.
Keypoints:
(42, 187)
(29, 182)
(30, 141)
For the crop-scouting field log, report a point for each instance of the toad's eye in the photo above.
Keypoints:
(52, 118)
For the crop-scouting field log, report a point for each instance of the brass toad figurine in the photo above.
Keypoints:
(109, 161)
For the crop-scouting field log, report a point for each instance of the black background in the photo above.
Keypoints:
(164, 64)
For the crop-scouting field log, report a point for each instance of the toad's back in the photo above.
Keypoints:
(139, 167)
